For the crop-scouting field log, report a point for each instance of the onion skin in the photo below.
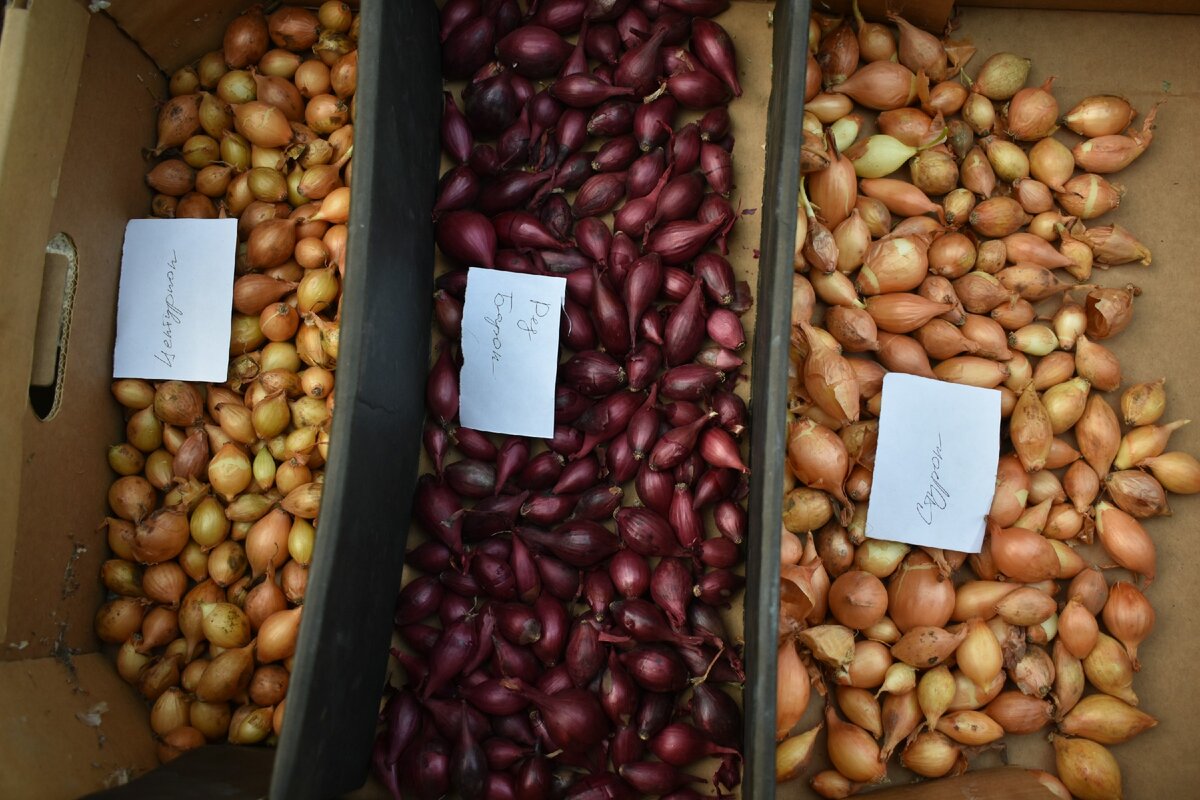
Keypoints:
(1086, 768)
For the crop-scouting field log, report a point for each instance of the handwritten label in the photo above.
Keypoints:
(510, 352)
(174, 302)
(935, 464)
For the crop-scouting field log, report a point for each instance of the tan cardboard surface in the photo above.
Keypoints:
(64, 480)
(56, 740)
(1144, 57)
(40, 54)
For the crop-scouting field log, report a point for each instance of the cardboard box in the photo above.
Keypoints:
(77, 105)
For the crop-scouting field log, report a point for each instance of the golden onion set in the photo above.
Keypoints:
(934, 247)
(214, 513)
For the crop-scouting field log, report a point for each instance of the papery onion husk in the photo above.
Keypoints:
(880, 85)
(918, 595)
(926, 646)
(1088, 196)
(1087, 769)
(793, 754)
(931, 754)
(1022, 554)
(1125, 540)
(1097, 432)
(1019, 713)
(935, 691)
(901, 716)
(1144, 442)
(1137, 493)
(1068, 679)
(1002, 76)
(829, 379)
(1100, 115)
(793, 690)
(1129, 617)
(1110, 670)
(970, 727)
(1105, 719)
(1032, 113)
(1144, 403)
(852, 750)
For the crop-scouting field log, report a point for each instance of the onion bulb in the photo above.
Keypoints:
(857, 599)
(792, 690)
(1129, 617)
(1087, 769)
(852, 750)
(918, 595)
(277, 635)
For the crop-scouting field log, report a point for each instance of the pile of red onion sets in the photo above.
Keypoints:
(562, 633)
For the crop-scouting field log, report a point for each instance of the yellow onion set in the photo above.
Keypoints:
(953, 243)
(215, 508)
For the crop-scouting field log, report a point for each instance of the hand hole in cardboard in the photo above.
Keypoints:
(53, 326)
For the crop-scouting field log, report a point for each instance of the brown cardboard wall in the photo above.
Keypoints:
(63, 482)
(39, 66)
(69, 730)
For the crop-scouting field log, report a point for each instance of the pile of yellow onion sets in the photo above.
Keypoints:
(934, 247)
(214, 513)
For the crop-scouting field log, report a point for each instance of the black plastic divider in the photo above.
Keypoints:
(342, 654)
(781, 187)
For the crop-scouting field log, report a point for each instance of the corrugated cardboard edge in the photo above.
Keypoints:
(41, 54)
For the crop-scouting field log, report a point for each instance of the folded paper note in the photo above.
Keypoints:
(510, 352)
(935, 464)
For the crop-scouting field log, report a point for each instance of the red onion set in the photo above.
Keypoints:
(562, 634)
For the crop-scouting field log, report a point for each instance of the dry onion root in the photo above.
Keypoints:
(951, 288)
(215, 512)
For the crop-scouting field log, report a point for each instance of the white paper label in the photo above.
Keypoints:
(176, 292)
(935, 464)
(510, 352)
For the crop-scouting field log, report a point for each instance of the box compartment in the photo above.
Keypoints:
(1092, 49)
(71, 162)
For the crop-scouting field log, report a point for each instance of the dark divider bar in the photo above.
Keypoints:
(338, 680)
(781, 187)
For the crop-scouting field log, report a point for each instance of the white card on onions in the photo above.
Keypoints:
(174, 301)
(935, 464)
(510, 352)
